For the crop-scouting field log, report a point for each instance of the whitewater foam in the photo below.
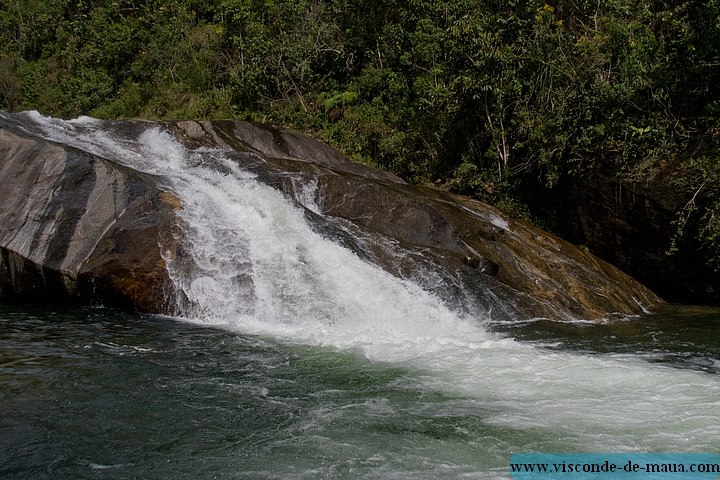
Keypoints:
(255, 265)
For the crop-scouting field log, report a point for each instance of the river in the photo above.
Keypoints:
(97, 393)
(293, 357)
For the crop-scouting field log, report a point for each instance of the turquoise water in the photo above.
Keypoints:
(97, 393)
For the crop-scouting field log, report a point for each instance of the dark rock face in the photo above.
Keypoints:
(631, 225)
(77, 227)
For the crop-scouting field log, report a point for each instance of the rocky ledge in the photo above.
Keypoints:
(78, 227)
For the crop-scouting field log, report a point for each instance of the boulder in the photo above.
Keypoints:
(530, 272)
(75, 227)
(78, 227)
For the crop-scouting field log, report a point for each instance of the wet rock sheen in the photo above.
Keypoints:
(75, 227)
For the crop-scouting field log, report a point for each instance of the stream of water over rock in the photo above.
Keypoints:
(293, 357)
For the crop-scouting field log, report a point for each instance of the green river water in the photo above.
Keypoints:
(97, 393)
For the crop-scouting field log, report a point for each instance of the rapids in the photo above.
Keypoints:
(254, 265)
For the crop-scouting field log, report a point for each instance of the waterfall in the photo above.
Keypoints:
(252, 263)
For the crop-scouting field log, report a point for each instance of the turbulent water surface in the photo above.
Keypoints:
(295, 358)
(95, 393)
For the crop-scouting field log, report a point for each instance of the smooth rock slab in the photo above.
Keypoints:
(78, 228)
(75, 227)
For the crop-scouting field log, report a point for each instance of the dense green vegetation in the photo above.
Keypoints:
(495, 99)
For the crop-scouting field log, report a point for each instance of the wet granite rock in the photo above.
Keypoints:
(537, 273)
(75, 227)
(78, 228)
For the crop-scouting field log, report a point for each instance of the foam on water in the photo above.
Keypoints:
(256, 266)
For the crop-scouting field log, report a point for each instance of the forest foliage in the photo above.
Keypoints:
(494, 99)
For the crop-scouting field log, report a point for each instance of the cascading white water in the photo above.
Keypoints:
(257, 267)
